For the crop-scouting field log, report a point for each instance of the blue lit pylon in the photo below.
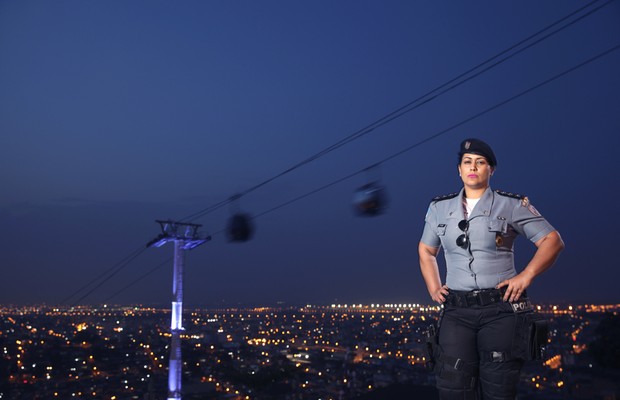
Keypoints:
(185, 237)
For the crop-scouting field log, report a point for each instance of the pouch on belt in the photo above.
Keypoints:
(531, 336)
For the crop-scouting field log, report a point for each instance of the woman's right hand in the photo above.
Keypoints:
(440, 294)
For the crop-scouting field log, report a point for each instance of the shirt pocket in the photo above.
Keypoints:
(498, 226)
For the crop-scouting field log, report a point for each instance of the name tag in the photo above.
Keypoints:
(522, 306)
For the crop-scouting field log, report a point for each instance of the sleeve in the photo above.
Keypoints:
(527, 221)
(429, 235)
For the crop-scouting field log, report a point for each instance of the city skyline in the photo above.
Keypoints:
(265, 353)
(114, 115)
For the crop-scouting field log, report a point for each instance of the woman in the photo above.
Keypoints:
(480, 354)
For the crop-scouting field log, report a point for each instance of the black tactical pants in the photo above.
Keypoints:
(476, 343)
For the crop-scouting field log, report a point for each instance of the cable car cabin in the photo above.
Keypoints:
(240, 228)
(369, 200)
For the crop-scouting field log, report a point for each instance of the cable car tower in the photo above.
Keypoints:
(185, 237)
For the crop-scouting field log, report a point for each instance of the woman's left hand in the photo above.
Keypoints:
(548, 249)
(515, 286)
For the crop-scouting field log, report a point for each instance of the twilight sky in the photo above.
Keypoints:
(116, 113)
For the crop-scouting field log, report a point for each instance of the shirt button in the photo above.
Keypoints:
(472, 275)
(471, 259)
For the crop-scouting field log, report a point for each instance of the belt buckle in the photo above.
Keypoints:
(471, 298)
(484, 297)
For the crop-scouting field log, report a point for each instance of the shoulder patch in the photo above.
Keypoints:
(446, 196)
(508, 194)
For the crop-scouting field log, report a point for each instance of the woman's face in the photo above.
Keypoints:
(475, 171)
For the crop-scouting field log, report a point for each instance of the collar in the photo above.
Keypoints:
(483, 208)
(485, 204)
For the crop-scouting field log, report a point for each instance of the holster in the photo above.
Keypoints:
(531, 336)
(432, 343)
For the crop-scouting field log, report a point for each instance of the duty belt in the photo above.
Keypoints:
(477, 297)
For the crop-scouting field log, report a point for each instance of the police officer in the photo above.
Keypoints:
(483, 292)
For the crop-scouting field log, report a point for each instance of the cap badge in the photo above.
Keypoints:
(467, 145)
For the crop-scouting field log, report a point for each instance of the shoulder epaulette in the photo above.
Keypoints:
(508, 194)
(445, 197)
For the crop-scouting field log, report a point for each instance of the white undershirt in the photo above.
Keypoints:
(469, 205)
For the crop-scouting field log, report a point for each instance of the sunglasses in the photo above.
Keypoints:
(463, 240)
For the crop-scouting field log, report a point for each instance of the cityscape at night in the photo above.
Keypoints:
(338, 351)
(277, 164)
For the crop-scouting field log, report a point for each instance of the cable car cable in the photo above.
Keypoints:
(393, 115)
(406, 108)
(110, 276)
(508, 100)
(444, 131)
(412, 104)
(134, 282)
(104, 273)
(429, 138)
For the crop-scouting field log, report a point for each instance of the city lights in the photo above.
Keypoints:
(320, 350)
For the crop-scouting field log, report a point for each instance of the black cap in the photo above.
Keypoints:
(477, 146)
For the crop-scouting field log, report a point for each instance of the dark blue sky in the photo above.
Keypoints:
(114, 114)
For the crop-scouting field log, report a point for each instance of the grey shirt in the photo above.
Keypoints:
(494, 224)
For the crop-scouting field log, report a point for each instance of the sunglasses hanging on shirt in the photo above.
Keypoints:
(463, 240)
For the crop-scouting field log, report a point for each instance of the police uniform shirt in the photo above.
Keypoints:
(494, 224)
